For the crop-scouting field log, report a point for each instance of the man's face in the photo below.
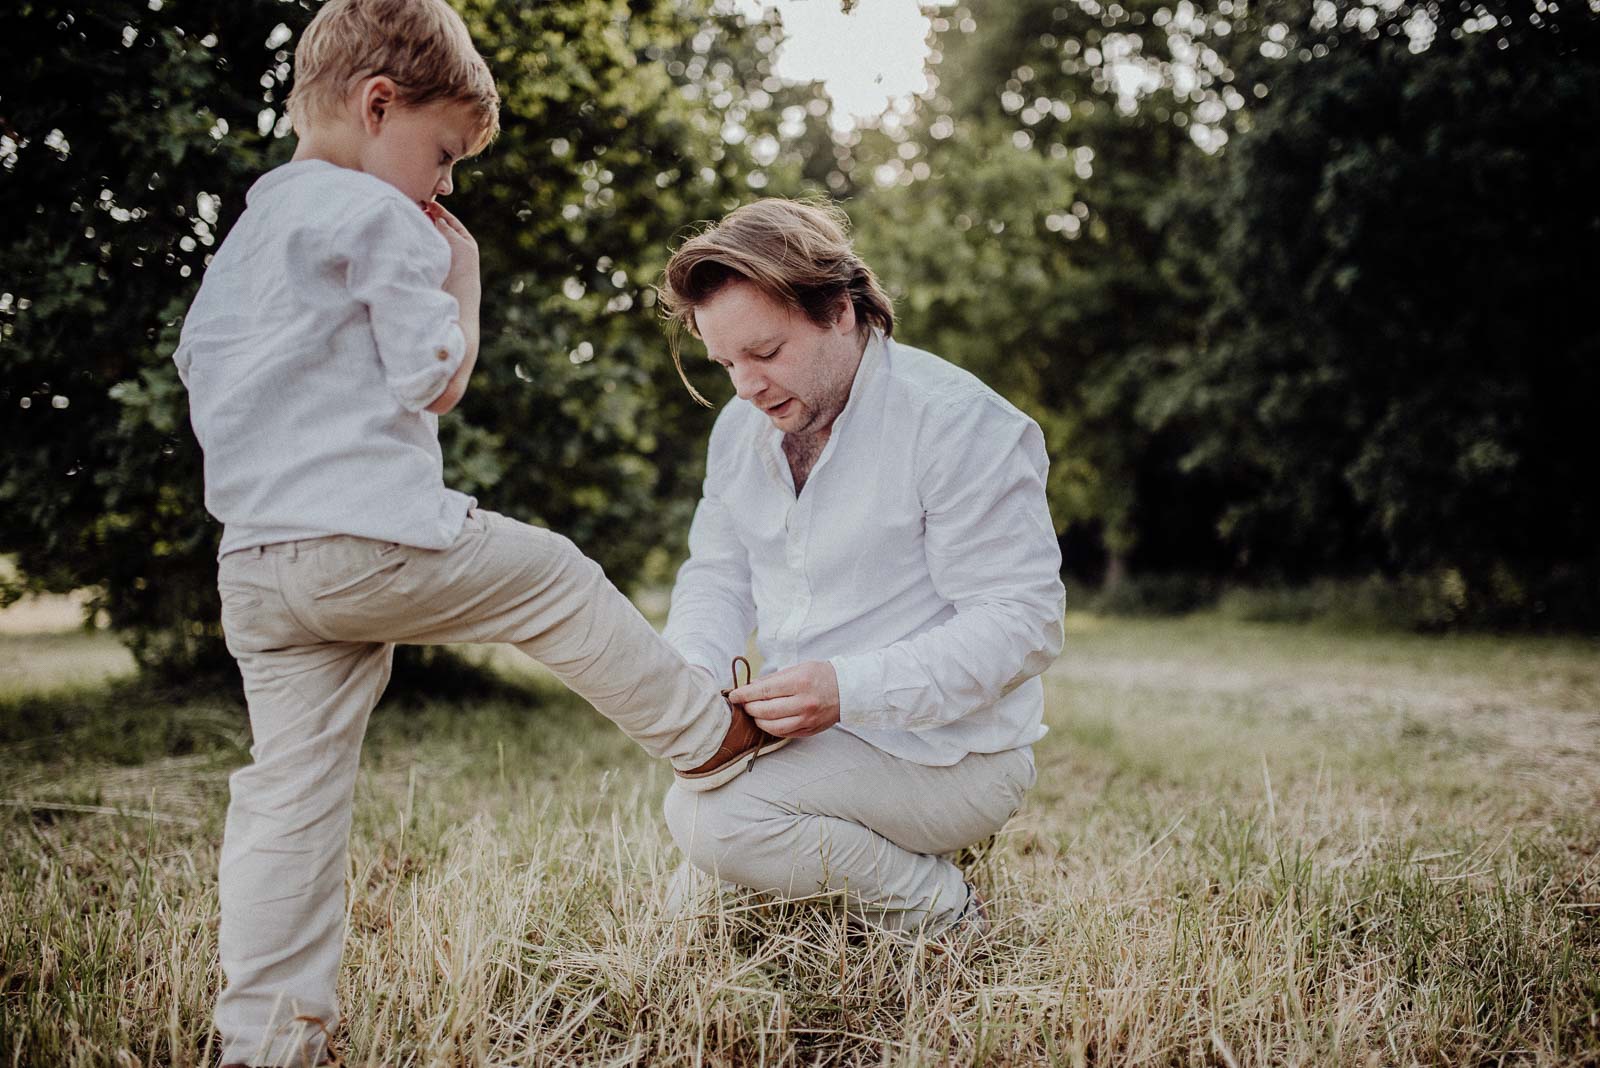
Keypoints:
(799, 374)
(415, 148)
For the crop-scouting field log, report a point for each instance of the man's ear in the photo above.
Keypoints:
(375, 96)
(845, 315)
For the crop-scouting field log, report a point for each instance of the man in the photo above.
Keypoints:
(877, 516)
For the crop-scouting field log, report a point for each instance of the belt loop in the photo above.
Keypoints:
(294, 551)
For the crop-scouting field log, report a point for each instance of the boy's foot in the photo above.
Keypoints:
(743, 743)
(739, 749)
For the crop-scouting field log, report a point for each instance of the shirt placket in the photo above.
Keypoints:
(797, 582)
(799, 508)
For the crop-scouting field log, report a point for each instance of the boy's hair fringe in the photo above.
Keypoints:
(422, 45)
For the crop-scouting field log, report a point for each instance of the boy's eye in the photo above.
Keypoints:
(767, 355)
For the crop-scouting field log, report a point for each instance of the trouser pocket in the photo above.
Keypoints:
(351, 568)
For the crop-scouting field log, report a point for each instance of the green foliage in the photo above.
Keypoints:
(1401, 345)
(1149, 594)
(1293, 288)
(1035, 248)
(133, 130)
(124, 122)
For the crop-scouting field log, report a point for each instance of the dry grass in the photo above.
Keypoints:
(1248, 845)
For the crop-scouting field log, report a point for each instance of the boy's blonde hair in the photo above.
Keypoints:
(796, 252)
(422, 45)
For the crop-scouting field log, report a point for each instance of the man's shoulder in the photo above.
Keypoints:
(933, 387)
(737, 421)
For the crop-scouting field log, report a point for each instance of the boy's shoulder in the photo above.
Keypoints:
(329, 198)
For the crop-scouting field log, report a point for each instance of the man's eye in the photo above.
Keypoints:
(767, 355)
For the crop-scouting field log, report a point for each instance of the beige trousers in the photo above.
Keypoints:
(313, 626)
(833, 814)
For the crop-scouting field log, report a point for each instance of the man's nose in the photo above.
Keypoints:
(748, 381)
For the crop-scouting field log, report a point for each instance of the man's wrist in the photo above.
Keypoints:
(848, 672)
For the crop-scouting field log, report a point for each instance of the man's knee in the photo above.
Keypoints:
(719, 831)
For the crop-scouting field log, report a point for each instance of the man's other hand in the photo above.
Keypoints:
(796, 702)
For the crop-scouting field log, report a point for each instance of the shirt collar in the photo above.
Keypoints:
(280, 174)
(872, 357)
(770, 440)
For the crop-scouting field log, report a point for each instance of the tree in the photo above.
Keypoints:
(1029, 217)
(134, 127)
(1401, 349)
(130, 131)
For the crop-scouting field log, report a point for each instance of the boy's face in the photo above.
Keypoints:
(415, 148)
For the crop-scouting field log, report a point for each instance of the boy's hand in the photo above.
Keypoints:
(464, 284)
(463, 281)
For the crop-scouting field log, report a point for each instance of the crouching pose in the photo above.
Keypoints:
(877, 517)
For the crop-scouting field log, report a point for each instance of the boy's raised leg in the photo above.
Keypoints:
(505, 581)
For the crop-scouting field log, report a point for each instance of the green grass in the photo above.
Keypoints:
(1249, 844)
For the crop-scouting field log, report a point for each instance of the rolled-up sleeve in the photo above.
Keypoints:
(396, 265)
(992, 553)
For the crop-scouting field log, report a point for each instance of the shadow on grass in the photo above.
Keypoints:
(134, 721)
(125, 722)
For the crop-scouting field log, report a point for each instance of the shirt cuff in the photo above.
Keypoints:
(422, 387)
(861, 693)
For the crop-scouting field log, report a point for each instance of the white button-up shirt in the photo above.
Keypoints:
(919, 559)
(318, 337)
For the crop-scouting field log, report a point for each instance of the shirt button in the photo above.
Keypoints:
(443, 354)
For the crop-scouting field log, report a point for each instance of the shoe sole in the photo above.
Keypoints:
(710, 780)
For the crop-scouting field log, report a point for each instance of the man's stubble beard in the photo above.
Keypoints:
(837, 396)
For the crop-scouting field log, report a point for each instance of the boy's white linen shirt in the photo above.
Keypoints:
(318, 336)
(919, 560)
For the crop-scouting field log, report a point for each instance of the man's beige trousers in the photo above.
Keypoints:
(313, 626)
(832, 814)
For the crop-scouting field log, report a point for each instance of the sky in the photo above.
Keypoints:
(874, 55)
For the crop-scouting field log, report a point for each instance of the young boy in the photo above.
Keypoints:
(337, 322)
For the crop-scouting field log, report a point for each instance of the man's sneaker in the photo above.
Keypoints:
(970, 929)
(744, 742)
(974, 919)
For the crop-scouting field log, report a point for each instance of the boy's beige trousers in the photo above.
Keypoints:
(313, 626)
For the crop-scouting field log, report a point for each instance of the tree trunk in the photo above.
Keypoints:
(1116, 572)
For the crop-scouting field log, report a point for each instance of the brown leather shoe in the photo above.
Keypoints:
(743, 743)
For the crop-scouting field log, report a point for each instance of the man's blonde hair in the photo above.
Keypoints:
(796, 252)
(422, 45)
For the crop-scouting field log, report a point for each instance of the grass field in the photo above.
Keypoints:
(1248, 845)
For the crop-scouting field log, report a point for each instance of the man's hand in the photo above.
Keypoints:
(796, 702)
